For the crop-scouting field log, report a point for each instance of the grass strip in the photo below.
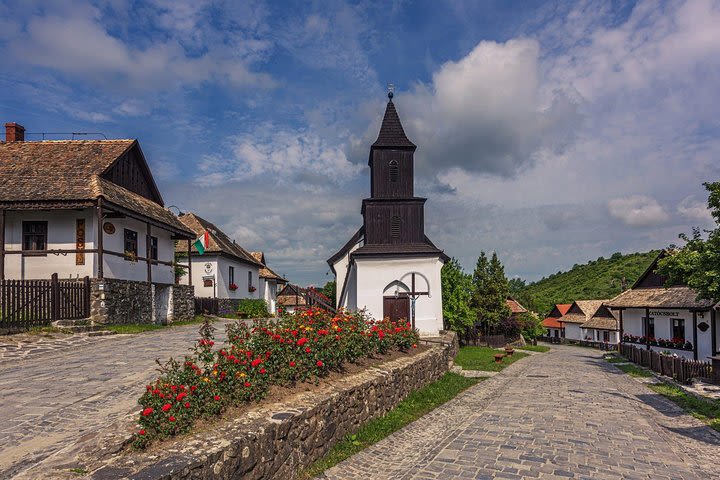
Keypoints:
(413, 407)
(149, 327)
(483, 358)
(635, 371)
(535, 348)
(706, 410)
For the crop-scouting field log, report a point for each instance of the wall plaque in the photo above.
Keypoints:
(702, 326)
(80, 241)
(108, 228)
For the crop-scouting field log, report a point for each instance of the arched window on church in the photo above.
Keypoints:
(394, 171)
(395, 227)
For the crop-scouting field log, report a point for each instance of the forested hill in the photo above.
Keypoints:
(597, 279)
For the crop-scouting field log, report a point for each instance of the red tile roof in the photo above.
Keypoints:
(515, 306)
(564, 307)
(551, 323)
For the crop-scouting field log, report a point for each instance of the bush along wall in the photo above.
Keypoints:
(253, 308)
(303, 346)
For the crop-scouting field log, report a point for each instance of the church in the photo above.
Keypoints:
(390, 267)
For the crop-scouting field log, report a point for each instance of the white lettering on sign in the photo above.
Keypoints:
(664, 314)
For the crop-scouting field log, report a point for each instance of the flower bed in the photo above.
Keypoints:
(304, 346)
(676, 343)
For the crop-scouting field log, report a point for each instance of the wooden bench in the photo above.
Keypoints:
(499, 357)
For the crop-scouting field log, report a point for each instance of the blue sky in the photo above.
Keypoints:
(551, 132)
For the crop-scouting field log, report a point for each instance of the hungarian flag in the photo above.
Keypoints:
(202, 243)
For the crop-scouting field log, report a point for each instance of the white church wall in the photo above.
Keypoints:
(373, 275)
(341, 273)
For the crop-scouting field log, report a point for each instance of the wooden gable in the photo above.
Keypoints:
(575, 308)
(650, 279)
(555, 312)
(603, 311)
(131, 171)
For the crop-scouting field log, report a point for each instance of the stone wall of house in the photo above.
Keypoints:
(114, 301)
(183, 298)
(278, 440)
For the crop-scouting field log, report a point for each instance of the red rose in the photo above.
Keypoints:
(147, 411)
(302, 342)
(181, 396)
(141, 432)
(172, 419)
(166, 407)
(247, 384)
(256, 362)
(292, 364)
(263, 371)
(193, 388)
(217, 398)
(319, 363)
(187, 404)
(307, 350)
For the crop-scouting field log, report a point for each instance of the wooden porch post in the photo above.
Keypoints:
(189, 270)
(147, 253)
(647, 327)
(622, 329)
(695, 352)
(99, 237)
(2, 244)
(713, 330)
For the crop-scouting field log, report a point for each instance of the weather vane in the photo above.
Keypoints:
(391, 90)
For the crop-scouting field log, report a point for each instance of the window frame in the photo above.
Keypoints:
(681, 325)
(35, 235)
(250, 279)
(127, 250)
(231, 275)
(393, 171)
(152, 253)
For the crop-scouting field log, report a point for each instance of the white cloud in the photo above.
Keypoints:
(693, 209)
(637, 211)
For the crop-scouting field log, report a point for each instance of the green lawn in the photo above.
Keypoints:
(535, 348)
(616, 359)
(413, 407)
(149, 327)
(483, 358)
(635, 371)
(706, 410)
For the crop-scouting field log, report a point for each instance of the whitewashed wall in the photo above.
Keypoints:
(61, 235)
(341, 267)
(597, 335)
(573, 331)
(219, 269)
(268, 292)
(373, 275)
(633, 325)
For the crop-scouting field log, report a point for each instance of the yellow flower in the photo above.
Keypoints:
(214, 372)
(206, 379)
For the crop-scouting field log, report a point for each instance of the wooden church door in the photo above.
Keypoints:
(396, 308)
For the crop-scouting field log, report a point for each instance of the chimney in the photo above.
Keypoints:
(14, 132)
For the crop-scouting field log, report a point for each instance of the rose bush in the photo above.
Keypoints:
(303, 346)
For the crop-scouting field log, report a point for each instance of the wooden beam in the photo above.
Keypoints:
(647, 327)
(622, 329)
(713, 330)
(147, 253)
(2, 244)
(189, 267)
(695, 349)
(99, 237)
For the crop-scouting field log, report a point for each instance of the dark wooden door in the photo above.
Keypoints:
(396, 308)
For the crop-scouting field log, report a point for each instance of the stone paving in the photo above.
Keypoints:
(563, 414)
(55, 390)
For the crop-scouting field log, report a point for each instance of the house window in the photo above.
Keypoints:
(395, 227)
(250, 279)
(231, 274)
(153, 253)
(606, 337)
(131, 246)
(34, 236)
(678, 328)
(650, 325)
(394, 171)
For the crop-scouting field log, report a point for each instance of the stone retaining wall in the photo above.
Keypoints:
(183, 297)
(278, 440)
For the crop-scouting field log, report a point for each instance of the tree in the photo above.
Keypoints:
(490, 292)
(456, 297)
(697, 264)
(329, 290)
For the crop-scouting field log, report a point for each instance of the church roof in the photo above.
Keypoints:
(392, 133)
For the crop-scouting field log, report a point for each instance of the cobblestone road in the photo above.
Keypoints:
(55, 391)
(564, 414)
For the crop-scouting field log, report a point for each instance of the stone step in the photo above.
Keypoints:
(72, 323)
(81, 328)
(100, 333)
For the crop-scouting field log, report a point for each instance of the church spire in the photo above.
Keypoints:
(392, 134)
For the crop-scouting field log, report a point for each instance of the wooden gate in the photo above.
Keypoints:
(32, 303)
(396, 308)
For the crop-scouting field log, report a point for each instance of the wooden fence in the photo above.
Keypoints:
(33, 303)
(206, 306)
(679, 368)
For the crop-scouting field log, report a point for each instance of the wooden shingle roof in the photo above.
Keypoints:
(219, 241)
(671, 297)
(265, 271)
(588, 308)
(68, 174)
(392, 133)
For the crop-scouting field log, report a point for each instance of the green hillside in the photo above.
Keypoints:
(597, 279)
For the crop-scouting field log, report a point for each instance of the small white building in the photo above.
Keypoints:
(269, 282)
(580, 312)
(292, 298)
(668, 319)
(390, 267)
(225, 270)
(602, 327)
(552, 321)
(90, 208)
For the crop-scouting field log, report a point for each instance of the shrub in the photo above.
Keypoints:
(303, 346)
(253, 308)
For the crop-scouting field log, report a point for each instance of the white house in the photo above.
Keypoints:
(225, 270)
(602, 327)
(579, 313)
(269, 282)
(552, 321)
(390, 267)
(664, 318)
(88, 208)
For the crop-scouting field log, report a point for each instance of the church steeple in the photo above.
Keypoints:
(392, 134)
